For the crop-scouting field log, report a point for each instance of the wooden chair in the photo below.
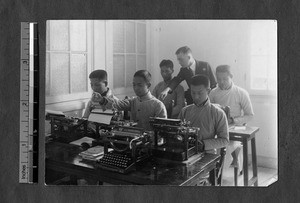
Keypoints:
(215, 175)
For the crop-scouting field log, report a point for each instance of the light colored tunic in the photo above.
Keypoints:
(212, 122)
(177, 95)
(142, 108)
(237, 99)
(95, 105)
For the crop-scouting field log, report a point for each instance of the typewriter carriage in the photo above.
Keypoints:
(179, 140)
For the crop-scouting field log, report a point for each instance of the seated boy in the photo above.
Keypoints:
(98, 79)
(166, 71)
(142, 107)
(208, 117)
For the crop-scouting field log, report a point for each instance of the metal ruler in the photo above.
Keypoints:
(29, 84)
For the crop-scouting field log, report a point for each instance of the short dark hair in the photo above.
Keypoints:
(143, 74)
(223, 69)
(99, 74)
(184, 50)
(166, 63)
(200, 80)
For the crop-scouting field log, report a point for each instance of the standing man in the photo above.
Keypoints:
(189, 68)
(166, 71)
(228, 94)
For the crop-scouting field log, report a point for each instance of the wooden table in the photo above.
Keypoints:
(64, 158)
(245, 135)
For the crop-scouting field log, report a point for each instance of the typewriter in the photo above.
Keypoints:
(66, 129)
(174, 139)
(130, 146)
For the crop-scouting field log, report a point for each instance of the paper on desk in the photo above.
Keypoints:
(100, 118)
(82, 140)
(239, 127)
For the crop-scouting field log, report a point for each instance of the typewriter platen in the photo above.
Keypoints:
(174, 139)
(130, 145)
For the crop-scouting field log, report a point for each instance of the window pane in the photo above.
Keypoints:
(130, 69)
(47, 75)
(78, 73)
(78, 35)
(141, 38)
(118, 37)
(59, 35)
(60, 73)
(259, 66)
(119, 66)
(141, 62)
(130, 37)
(259, 83)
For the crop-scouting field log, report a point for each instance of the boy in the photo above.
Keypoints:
(142, 107)
(166, 71)
(209, 118)
(98, 79)
(241, 111)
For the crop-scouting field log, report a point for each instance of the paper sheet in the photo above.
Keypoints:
(100, 118)
(82, 140)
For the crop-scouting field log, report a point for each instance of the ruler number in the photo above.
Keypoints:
(24, 103)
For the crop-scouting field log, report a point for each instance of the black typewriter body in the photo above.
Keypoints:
(67, 129)
(130, 146)
(173, 139)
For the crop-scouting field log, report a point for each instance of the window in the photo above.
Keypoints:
(129, 51)
(263, 43)
(66, 60)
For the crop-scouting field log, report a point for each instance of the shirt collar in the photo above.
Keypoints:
(205, 103)
(106, 93)
(193, 66)
(167, 83)
(230, 87)
(146, 97)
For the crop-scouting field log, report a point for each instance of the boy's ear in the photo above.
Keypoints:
(149, 84)
(105, 82)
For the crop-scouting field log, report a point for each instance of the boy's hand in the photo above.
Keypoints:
(96, 97)
(163, 94)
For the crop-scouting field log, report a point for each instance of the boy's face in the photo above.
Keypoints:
(98, 85)
(224, 80)
(166, 72)
(140, 86)
(199, 93)
(183, 59)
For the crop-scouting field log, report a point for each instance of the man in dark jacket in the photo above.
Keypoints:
(189, 68)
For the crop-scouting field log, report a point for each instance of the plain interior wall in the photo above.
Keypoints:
(220, 42)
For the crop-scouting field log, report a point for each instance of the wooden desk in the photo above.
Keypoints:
(244, 136)
(64, 158)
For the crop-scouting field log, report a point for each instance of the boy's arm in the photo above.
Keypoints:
(121, 105)
(161, 111)
(179, 100)
(222, 133)
(247, 109)
(87, 110)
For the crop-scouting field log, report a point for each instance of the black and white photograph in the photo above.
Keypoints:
(161, 102)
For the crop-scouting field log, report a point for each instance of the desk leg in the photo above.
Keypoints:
(245, 162)
(254, 161)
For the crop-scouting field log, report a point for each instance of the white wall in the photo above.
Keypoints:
(220, 42)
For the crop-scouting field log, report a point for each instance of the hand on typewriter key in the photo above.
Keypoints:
(96, 97)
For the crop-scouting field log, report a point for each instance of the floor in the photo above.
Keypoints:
(266, 176)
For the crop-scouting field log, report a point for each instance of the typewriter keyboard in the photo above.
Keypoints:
(115, 162)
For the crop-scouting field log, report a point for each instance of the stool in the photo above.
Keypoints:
(245, 135)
